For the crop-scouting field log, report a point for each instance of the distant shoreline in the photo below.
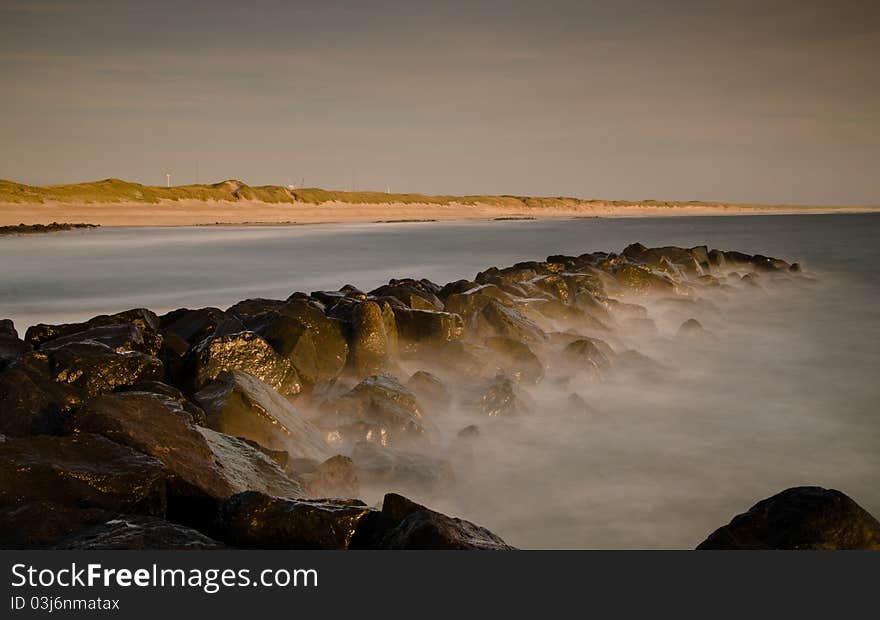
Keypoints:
(248, 212)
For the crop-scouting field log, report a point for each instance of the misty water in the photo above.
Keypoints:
(785, 394)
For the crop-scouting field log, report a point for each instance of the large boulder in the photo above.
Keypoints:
(327, 335)
(800, 518)
(257, 520)
(639, 280)
(430, 391)
(404, 524)
(192, 326)
(378, 409)
(500, 397)
(169, 396)
(516, 359)
(335, 477)
(137, 532)
(51, 487)
(93, 367)
(33, 404)
(370, 351)
(416, 294)
(505, 322)
(143, 336)
(385, 468)
(11, 346)
(241, 405)
(245, 351)
(418, 328)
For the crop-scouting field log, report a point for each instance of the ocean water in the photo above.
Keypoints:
(785, 395)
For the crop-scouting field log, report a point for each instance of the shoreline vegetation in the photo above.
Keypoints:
(114, 202)
(31, 229)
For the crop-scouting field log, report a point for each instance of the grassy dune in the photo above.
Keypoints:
(117, 190)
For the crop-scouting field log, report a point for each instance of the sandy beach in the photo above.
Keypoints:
(200, 213)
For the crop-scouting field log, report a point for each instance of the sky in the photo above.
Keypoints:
(740, 101)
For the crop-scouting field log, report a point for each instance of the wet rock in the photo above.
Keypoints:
(404, 524)
(302, 318)
(589, 352)
(425, 328)
(95, 368)
(247, 352)
(238, 404)
(430, 391)
(335, 477)
(411, 472)
(256, 520)
(192, 326)
(415, 294)
(33, 404)
(144, 322)
(501, 398)
(378, 409)
(171, 397)
(635, 363)
(500, 320)
(51, 487)
(516, 359)
(469, 303)
(11, 346)
(369, 349)
(136, 532)
(255, 313)
(120, 338)
(800, 518)
(641, 281)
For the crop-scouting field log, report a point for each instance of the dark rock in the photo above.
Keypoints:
(51, 487)
(33, 404)
(508, 323)
(240, 405)
(800, 518)
(590, 352)
(382, 467)
(369, 349)
(144, 321)
(430, 391)
(335, 477)
(138, 532)
(415, 294)
(11, 346)
(95, 368)
(171, 397)
(247, 352)
(417, 328)
(403, 524)
(121, 338)
(192, 326)
(255, 520)
(255, 313)
(642, 281)
(501, 397)
(378, 409)
(7, 328)
(516, 359)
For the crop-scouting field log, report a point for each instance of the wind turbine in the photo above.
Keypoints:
(167, 179)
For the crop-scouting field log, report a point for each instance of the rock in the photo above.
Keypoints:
(33, 404)
(642, 281)
(335, 477)
(138, 532)
(144, 322)
(255, 313)
(411, 472)
(171, 397)
(120, 338)
(589, 352)
(418, 328)
(11, 346)
(378, 409)
(51, 487)
(256, 520)
(247, 352)
(95, 368)
(501, 397)
(416, 294)
(516, 359)
(508, 323)
(800, 518)
(240, 405)
(192, 326)
(403, 524)
(430, 391)
(469, 302)
(314, 342)
(369, 350)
